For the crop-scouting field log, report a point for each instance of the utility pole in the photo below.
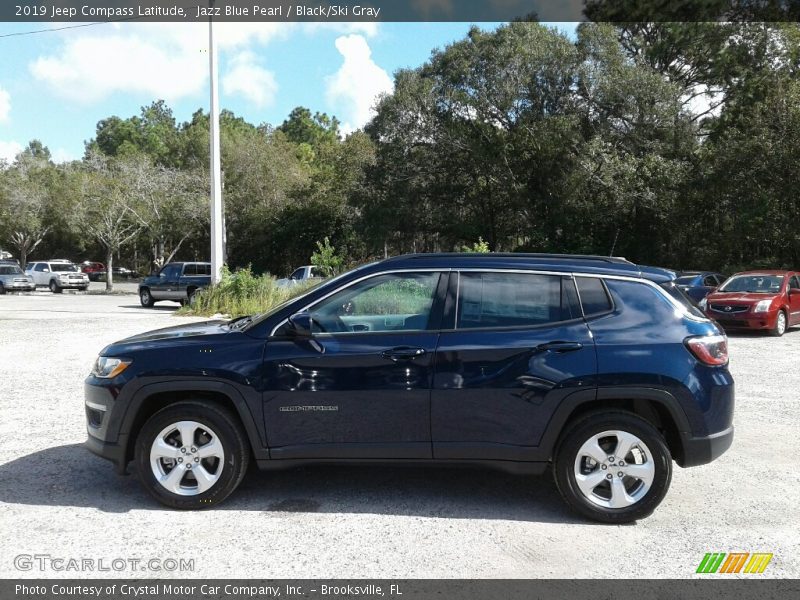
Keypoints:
(216, 173)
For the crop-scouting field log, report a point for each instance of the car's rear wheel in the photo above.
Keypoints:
(780, 324)
(146, 298)
(613, 467)
(54, 287)
(191, 455)
(190, 296)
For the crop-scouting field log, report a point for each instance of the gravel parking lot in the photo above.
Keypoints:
(57, 499)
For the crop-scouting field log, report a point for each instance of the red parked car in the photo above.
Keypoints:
(767, 300)
(94, 270)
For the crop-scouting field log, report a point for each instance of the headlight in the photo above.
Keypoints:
(108, 368)
(762, 306)
(702, 304)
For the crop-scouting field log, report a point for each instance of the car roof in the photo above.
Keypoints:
(578, 263)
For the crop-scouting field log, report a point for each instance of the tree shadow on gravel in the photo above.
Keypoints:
(71, 476)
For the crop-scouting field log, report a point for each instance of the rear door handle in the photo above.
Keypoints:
(402, 353)
(559, 347)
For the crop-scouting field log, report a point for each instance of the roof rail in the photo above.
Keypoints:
(619, 260)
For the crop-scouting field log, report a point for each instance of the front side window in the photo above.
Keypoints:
(498, 300)
(391, 302)
(710, 281)
(40, 267)
(298, 274)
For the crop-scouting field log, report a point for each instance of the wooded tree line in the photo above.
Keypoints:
(671, 144)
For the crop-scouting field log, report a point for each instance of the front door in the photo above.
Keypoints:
(520, 345)
(360, 386)
(167, 283)
(794, 300)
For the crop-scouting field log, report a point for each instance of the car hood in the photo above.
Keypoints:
(177, 332)
(743, 297)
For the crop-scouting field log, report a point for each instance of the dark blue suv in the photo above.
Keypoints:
(593, 365)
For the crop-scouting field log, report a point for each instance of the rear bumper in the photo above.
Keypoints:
(702, 450)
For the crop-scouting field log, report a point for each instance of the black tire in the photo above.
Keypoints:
(146, 298)
(592, 424)
(2, 290)
(779, 330)
(54, 287)
(229, 432)
(190, 296)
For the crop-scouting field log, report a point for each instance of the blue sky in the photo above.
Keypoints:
(56, 86)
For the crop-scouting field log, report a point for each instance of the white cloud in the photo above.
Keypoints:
(355, 87)
(5, 105)
(163, 60)
(246, 78)
(9, 151)
(61, 155)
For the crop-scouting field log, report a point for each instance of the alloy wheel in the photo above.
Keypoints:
(187, 458)
(614, 469)
(781, 326)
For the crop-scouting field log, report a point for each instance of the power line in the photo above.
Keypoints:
(35, 31)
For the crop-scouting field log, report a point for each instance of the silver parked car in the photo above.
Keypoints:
(14, 279)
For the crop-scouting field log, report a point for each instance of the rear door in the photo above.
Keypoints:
(516, 347)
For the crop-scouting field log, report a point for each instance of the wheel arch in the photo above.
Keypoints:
(658, 407)
(151, 398)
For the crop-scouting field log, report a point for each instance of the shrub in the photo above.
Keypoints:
(242, 293)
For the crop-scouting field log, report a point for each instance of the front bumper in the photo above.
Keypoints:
(748, 320)
(21, 287)
(702, 450)
(102, 425)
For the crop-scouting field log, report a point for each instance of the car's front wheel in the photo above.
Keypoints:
(191, 455)
(54, 287)
(780, 324)
(613, 467)
(146, 298)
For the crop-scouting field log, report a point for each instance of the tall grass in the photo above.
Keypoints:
(242, 293)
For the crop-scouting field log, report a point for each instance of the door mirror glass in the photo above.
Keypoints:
(301, 324)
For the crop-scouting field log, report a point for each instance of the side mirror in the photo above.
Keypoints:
(301, 325)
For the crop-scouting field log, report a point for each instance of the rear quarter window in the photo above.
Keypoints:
(594, 296)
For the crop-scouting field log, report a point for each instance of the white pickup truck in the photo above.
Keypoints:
(302, 275)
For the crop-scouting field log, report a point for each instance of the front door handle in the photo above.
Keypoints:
(559, 347)
(402, 353)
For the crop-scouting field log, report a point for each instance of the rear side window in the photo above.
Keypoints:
(594, 297)
(189, 270)
(681, 296)
(509, 300)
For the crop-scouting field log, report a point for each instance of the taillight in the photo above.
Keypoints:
(710, 349)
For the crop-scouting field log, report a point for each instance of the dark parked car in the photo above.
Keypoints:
(699, 284)
(518, 362)
(94, 270)
(175, 281)
(765, 300)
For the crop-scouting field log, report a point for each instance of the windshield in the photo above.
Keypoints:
(10, 270)
(754, 284)
(63, 267)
